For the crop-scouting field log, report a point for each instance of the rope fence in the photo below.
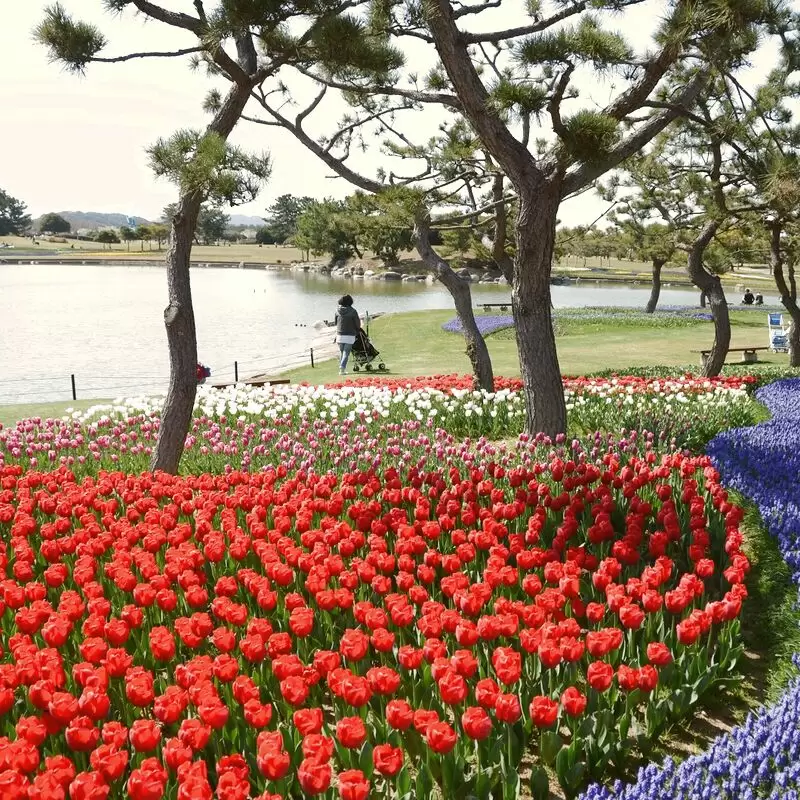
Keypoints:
(75, 386)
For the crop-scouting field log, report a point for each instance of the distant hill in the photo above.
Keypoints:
(92, 220)
(250, 222)
(96, 219)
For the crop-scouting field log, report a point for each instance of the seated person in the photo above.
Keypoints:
(748, 298)
(759, 299)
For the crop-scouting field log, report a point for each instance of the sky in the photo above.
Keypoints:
(73, 143)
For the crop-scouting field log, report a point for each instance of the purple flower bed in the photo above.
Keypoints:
(487, 323)
(760, 758)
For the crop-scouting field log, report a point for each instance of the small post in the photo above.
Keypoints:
(74, 393)
(236, 371)
(312, 358)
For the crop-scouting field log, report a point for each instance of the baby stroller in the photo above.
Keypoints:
(364, 353)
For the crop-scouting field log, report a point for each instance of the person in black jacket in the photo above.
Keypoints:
(348, 325)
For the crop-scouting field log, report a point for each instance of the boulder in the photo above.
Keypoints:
(392, 276)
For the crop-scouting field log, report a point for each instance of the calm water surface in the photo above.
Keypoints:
(105, 324)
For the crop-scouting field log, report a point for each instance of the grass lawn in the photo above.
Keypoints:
(414, 344)
(268, 254)
(10, 414)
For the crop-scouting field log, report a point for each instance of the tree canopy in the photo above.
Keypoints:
(14, 219)
(283, 214)
(54, 223)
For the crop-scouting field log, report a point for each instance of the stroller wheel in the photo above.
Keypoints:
(382, 367)
(368, 367)
(356, 368)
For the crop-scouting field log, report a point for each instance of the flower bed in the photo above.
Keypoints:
(270, 633)
(373, 423)
(761, 758)
(487, 323)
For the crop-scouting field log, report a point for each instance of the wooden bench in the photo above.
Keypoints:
(490, 306)
(749, 354)
(257, 382)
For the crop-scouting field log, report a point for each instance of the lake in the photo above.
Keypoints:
(104, 324)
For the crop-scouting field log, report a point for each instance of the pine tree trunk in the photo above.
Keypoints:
(176, 415)
(788, 292)
(655, 290)
(711, 286)
(477, 351)
(546, 409)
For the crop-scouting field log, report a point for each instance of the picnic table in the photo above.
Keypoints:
(749, 354)
(254, 382)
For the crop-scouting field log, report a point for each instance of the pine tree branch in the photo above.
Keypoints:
(515, 159)
(758, 109)
(635, 96)
(435, 98)
(358, 123)
(155, 54)
(199, 28)
(526, 30)
(246, 50)
(554, 105)
(422, 237)
(498, 243)
(408, 180)
(467, 10)
(336, 164)
(682, 111)
(509, 198)
(175, 19)
(259, 121)
(298, 120)
(586, 173)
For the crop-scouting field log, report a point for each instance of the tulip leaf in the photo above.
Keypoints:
(403, 782)
(549, 745)
(423, 786)
(540, 784)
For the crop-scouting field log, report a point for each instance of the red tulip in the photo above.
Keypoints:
(507, 708)
(544, 711)
(314, 778)
(387, 760)
(477, 724)
(353, 785)
(599, 675)
(350, 731)
(440, 737)
(573, 701)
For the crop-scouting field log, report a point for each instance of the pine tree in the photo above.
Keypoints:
(503, 83)
(201, 163)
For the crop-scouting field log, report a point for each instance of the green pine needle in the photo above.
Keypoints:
(74, 44)
(586, 42)
(590, 135)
